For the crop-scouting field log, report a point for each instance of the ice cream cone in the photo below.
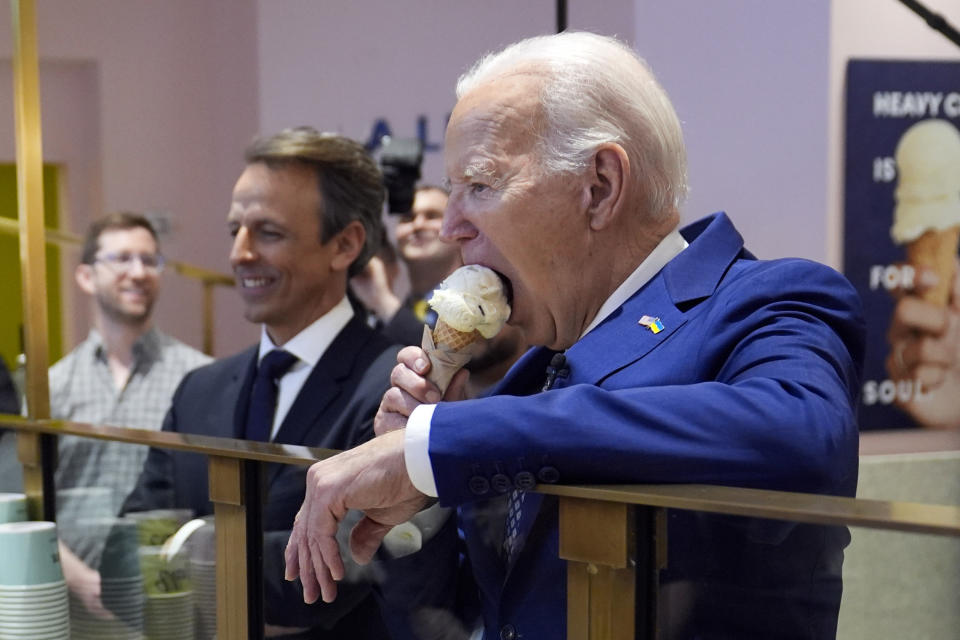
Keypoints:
(936, 250)
(471, 304)
(445, 360)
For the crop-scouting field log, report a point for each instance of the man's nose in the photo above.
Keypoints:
(136, 268)
(242, 249)
(455, 227)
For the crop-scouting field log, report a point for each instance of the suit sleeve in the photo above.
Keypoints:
(759, 392)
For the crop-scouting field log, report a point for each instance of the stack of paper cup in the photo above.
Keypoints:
(169, 604)
(13, 507)
(33, 594)
(202, 550)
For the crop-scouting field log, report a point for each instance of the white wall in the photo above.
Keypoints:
(871, 29)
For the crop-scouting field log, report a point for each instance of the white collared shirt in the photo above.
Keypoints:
(309, 346)
(417, 437)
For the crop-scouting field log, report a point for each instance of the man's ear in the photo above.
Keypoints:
(348, 244)
(84, 276)
(608, 178)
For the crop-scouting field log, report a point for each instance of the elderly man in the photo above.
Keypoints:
(685, 360)
(305, 214)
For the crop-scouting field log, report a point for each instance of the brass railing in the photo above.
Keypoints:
(608, 534)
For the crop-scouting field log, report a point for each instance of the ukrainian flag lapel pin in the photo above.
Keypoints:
(651, 323)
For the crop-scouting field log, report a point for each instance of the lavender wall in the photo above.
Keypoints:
(748, 78)
(343, 66)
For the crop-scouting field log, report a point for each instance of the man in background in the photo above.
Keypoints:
(305, 215)
(123, 374)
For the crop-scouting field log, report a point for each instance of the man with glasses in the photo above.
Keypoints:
(123, 374)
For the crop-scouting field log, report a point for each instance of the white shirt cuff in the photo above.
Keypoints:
(416, 449)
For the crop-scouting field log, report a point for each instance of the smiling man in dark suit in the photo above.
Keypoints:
(305, 215)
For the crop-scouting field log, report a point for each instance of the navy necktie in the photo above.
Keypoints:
(263, 396)
(512, 541)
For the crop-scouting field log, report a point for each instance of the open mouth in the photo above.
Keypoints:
(507, 286)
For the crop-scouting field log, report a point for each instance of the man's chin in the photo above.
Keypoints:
(131, 316)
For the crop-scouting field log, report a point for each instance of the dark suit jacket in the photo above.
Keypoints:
(334, 410)
(752, 382)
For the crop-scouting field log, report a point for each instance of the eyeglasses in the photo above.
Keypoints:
(123, 261)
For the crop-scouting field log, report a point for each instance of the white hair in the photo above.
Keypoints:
(597, 90)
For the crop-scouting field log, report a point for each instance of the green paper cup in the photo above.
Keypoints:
(164, 576)
(30, 554)
(13, 507)
(159, 524)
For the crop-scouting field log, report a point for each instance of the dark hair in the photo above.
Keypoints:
(118, 221)
(350, 184)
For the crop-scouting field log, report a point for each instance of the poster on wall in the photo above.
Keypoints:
(901, 217)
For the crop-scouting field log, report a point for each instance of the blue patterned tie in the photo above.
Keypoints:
(263, 396)
(512, 542)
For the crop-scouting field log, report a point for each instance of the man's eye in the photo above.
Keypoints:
(477, 187)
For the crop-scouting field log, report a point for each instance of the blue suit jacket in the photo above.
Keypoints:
(752, 383)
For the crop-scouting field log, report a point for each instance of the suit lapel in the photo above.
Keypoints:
(693, 275)
(321, 388)
(527, 375)
(620, 340)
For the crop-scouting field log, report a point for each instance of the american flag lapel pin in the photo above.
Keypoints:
(651, 323)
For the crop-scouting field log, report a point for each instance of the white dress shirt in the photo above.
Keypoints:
(309, 346)
(417, 437)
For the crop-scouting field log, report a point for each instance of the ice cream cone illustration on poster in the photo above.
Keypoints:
(927, 213)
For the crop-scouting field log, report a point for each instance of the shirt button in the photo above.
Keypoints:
(479, 485)
(524, 480)
(500, 483)
(507, 632)
(548, 474)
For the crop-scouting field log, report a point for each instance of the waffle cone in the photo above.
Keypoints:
(445, 336)
(936, 250)
(450, 355)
